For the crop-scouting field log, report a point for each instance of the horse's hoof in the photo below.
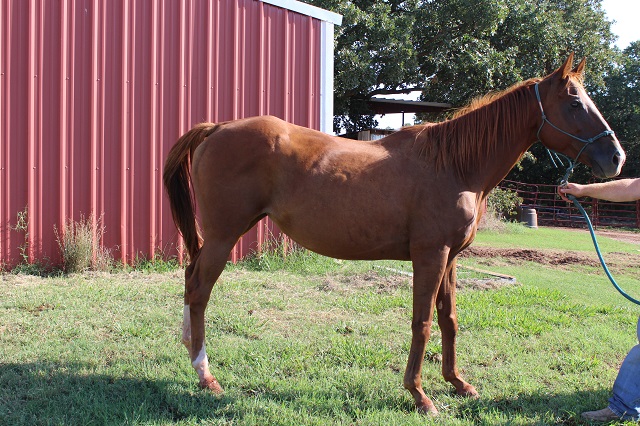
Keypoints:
(468, 391)
(428, 410)
(212, 385)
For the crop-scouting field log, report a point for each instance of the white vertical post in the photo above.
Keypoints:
(326, 77)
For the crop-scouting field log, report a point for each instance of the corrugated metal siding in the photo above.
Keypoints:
(93, 94)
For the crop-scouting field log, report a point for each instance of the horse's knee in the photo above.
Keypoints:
(197, 290)
(421, 329)
(449, 329)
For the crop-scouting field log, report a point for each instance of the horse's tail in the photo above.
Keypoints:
(177, 182)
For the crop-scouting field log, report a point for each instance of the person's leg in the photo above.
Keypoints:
(625, 400)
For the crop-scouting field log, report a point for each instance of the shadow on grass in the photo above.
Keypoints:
(48, 393)
(537, 408)
(557, 408)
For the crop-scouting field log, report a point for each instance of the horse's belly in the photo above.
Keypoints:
(331, 237)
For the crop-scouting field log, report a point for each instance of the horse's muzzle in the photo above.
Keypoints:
(608, 165)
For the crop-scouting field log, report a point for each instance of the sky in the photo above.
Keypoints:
(625, 13)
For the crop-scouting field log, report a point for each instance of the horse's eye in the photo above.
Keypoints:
(575, 104)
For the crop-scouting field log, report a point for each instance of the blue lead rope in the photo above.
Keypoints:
(555, 159)
(595, 244)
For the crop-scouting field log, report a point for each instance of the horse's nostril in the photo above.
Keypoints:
(618, 158)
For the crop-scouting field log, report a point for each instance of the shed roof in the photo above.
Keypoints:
(391, 106)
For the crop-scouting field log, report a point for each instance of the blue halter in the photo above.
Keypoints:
(565, 180)
(586, 142)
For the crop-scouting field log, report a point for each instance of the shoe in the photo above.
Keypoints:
(604, 415)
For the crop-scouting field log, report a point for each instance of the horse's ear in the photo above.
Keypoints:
(580, 68)
(565, 69)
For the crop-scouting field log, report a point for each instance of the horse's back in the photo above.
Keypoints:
(276, 146)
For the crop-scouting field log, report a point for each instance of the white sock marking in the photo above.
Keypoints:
(201, 363)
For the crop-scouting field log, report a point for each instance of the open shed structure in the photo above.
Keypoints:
(93, 94)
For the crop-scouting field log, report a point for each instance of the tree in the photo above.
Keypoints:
(619, 103)
(454, 50)
(374, 54)
(491, 44)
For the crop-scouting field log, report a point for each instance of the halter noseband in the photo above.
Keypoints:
(586, 142)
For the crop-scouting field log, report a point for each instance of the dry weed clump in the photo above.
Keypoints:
(490, 221)
(80, 244)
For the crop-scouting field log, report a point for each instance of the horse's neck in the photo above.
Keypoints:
(495, 167)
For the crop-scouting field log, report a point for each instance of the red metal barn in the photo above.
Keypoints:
(93, 94)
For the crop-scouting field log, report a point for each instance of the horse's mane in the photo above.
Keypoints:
(475, 131)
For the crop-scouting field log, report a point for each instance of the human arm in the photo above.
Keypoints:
(613, 190)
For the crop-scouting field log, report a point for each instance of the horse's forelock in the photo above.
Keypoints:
(575, 78)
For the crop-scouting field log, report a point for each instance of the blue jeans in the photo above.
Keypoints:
(625, 401)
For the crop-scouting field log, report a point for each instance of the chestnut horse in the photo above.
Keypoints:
(415, 195)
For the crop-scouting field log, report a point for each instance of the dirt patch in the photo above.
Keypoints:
(383, 283)
(545, 257)
(480, 284)
(390, 282)
(558, 258)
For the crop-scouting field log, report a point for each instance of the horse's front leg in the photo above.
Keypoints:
(448, 322)
(428, 270)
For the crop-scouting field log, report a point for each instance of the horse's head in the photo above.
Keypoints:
(572, 125)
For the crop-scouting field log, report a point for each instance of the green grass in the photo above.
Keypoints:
(584, 284)
(550, 238)
(312, 341)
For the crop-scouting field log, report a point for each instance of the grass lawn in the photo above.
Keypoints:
(314, 341)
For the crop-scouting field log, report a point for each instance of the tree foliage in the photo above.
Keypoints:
(454, 50)
(619, 102)
(476, 46)
(504, 203)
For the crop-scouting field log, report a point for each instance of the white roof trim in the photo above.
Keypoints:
(307, 9)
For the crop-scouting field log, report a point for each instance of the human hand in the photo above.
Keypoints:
(570, 189)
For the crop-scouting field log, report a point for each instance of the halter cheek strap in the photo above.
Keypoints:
(586, 142)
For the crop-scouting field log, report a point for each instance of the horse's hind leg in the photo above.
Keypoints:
(448, 322)
(200, 277)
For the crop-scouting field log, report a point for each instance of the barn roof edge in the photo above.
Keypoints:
(307, 9)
